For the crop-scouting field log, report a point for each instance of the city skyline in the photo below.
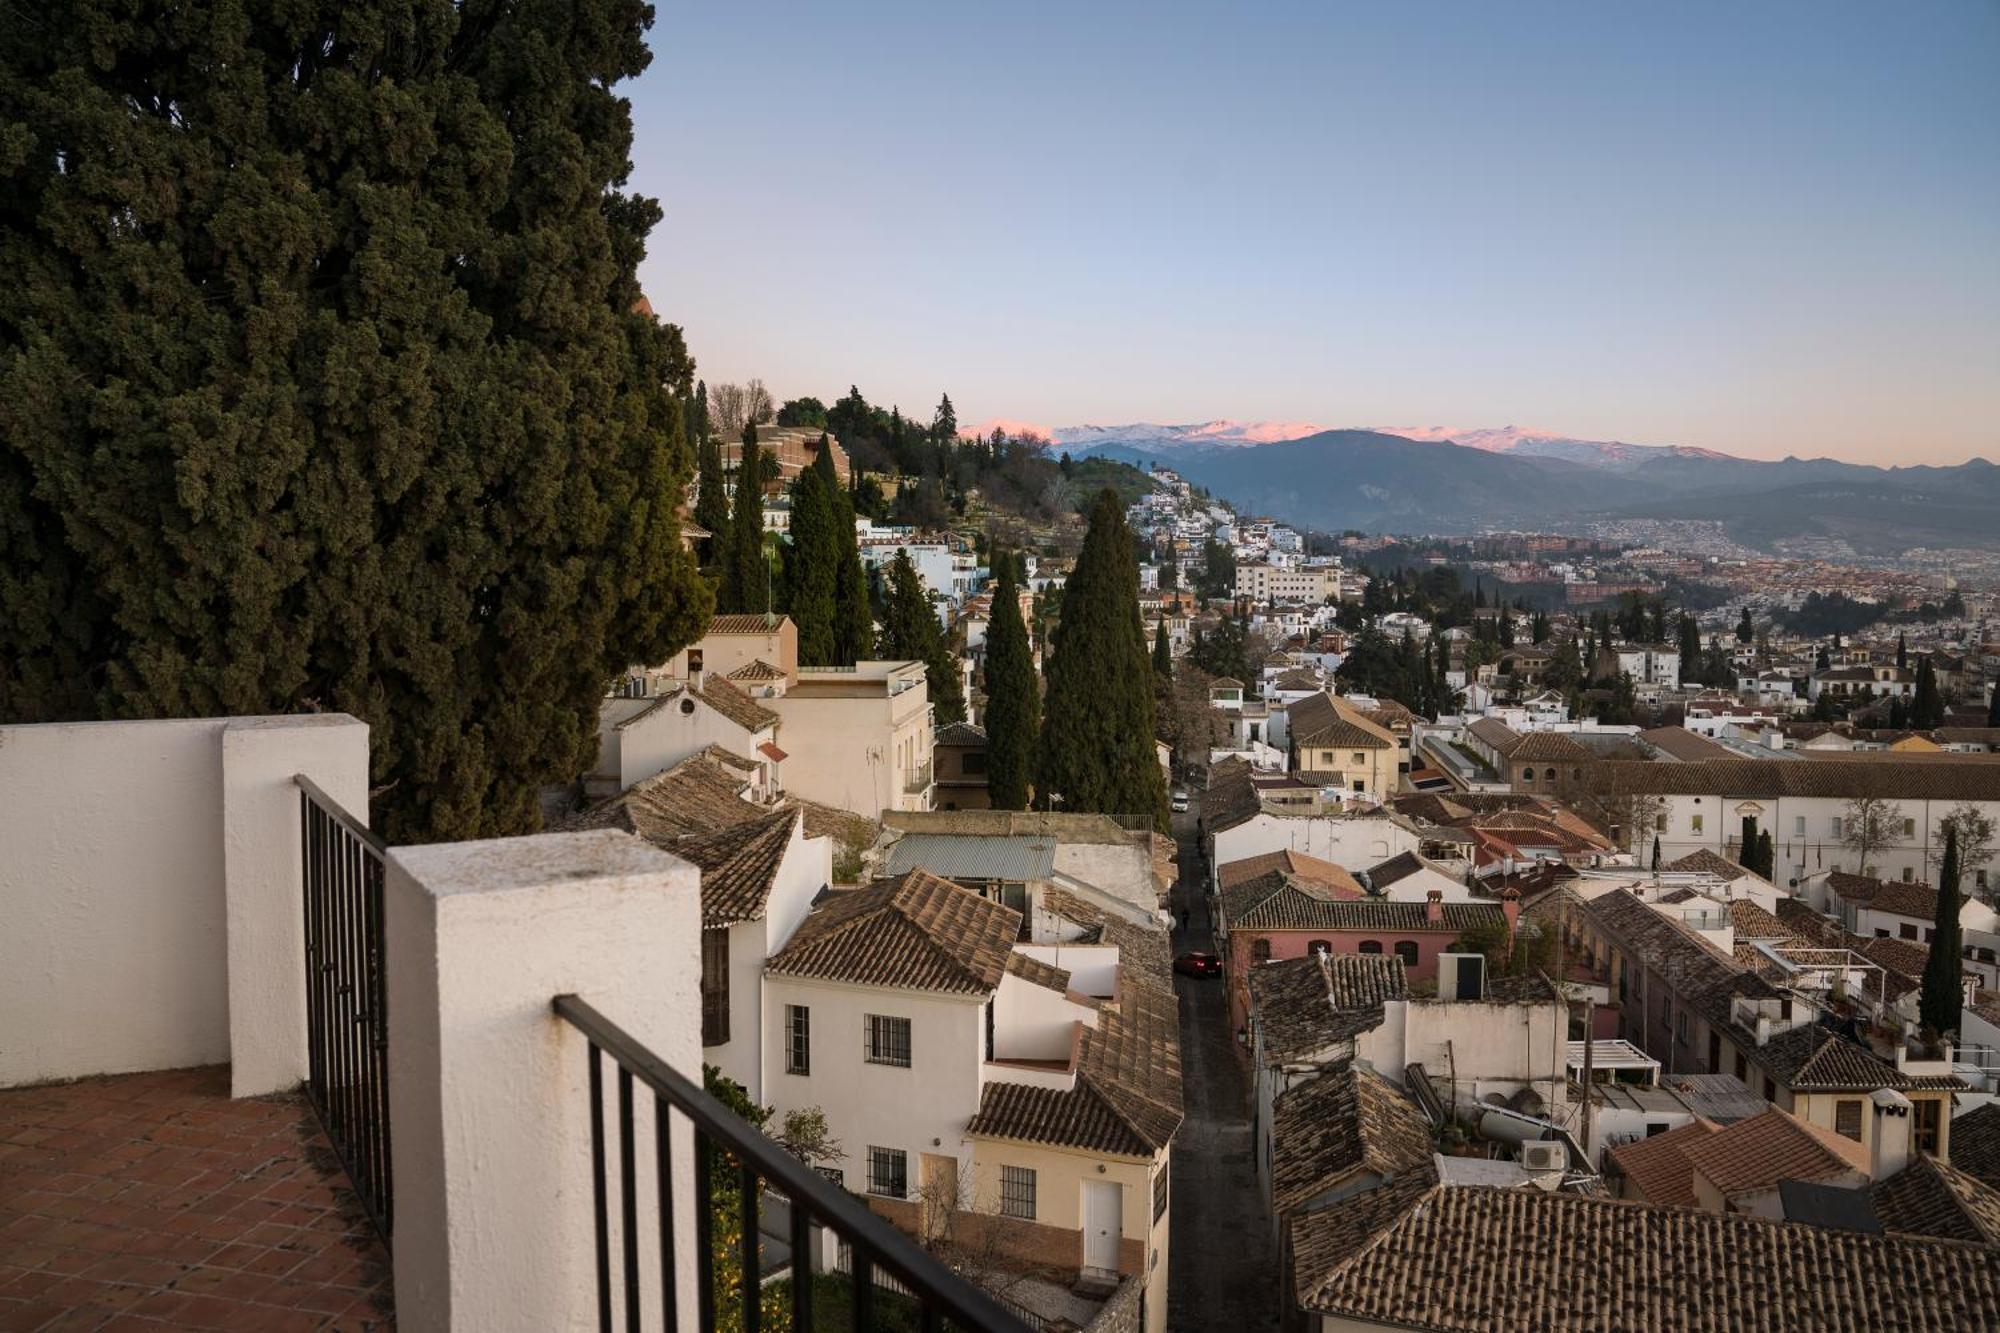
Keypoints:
(1762, 233)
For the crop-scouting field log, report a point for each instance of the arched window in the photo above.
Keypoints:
(1407, 951)
(1371, 946)
(1320, 946)
(1550, 775)
(1527, 775)
(1260, 951)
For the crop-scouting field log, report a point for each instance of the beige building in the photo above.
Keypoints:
(1333, 742)
(858, 737)
(1275, 583)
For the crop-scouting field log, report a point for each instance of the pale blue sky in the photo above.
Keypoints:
(1766, 228)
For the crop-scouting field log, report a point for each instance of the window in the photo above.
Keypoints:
(1407, 951)
(1908, 874)
(1881, 934)
(1925, 1136)
(1909, 828)
(1741, 1069)
(1930, 934)
(1847, 1118)
(1798, 826)
(1360, 759)
(972, 763)
(715, 986)
(1371, 946)
(888, 1172)
(1659, 823)
(1017, 1192)
(1714, 1053)
(1550, 775)
(1833, 826)
(888, 1040)
(1694, 823)
(1681, 1029)
(798, 1039)
(1527, 775)
(1159, 1194)
(1907, 930)
(1320, 946)
(1260, 951)
(694, 661)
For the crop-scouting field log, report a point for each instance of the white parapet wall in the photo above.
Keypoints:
(149, 886)
(489, 1091)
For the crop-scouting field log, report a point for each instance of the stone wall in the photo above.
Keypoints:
(1124, 1312)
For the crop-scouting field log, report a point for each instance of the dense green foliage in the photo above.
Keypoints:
(746, 573)
(1013, 697)
(911, 632)
(812, 567)
(322, 384)
(1927, 704)
(1943, 997)
(1097, 751)
(1821, 614)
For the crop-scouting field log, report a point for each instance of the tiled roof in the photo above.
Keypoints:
(1550, 747)
(702, 794)
(1658, 1166)
(917, 933)
(735, 705)
(758, 670)
(1914, 900)
(1322, 721)
(1281, 901)
(1231, 797)
(744, 624)
(1473, 1259)
(1713, 862)
(1335, 877)
(1814, 1059)
(1302, 1006)
(1684, 745)
(1145, 953)
(1975, 1143)
(1342, 1120)
(1930, 1198)
(959, 733)
(1753, 922)
(1062, 826)
(1037, 973)
(1494, 734)
(1755, 1154)
(1943, 778)
(738, 865)
(1127, 1096)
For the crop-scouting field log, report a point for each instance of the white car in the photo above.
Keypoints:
(1180, 799)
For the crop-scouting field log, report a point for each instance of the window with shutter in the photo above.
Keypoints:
(715, 986)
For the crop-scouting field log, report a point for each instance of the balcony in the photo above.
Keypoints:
(261, 1070)
(917, 780)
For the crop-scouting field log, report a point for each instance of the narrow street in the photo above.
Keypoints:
(1225, 1270)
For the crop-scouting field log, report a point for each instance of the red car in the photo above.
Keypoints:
(1198, 965)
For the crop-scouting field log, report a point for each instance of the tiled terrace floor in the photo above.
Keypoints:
(152, 1201)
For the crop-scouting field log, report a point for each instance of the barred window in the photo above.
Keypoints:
(888, 1041)
(888, 1172)
(1847, 1118)
(798, 1039)
(1017, 1192)
(1159, 1194)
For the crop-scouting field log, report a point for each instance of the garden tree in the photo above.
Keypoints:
(1767, 856)
(711, 500)
(1097, 750)
(746, 583)
(1170, 574)
(944, 676)
(1822, 660)
(812, 566)
(1746, 628)
(1163, 654)
(1538, 628)
(1013, 698)
(1565, 670)
(1943, 996)
(694, 417)
(1974, 831)
(318, 391)
(1867, 825)
(1927, 707)
(911, 633)
(944, 421)
(1902, 651)
(1217, 575)
(1746, 852)
(1691, 660)
(802, 412)
(1506, 628)
(1224, 652)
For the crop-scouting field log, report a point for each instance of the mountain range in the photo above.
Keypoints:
(1444, 481)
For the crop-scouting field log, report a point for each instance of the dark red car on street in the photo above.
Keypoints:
(1198, 965)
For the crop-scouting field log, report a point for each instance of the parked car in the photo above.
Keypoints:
(1198, 964)
(1180, 799)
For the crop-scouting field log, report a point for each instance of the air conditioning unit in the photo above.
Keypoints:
(1543, 1155)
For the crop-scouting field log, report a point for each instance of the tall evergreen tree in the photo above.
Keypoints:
(1746, 628)
(317, 390)
(812, 566)
(1746, 851)
(1013, 698)
(853, 611)
(944, 423)
(1097, 750)
(746, 577)
(911, 632)
(1943, 997)
(711, 500)
(1767, 856)
(1163, 653)
(1902, 651)
(1927, 708)
(1993, 707)
(1690, 647)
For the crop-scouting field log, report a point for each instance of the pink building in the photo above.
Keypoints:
(1284, 915)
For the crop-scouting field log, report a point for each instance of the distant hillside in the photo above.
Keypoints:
(1379, 482)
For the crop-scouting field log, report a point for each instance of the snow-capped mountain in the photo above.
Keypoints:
(1530, 442)
(1521, 441)
(1148, 436)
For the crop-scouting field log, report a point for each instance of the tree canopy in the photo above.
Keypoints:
(1013, 698)
(325, 384)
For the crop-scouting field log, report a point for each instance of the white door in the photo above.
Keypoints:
(1103, 1207)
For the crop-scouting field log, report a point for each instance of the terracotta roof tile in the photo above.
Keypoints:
(1658, 1166)
(1037, 973)
(1897, 778)
(1930, 1198)
(738, 865)
(1334, 877)
(1715, 864)
(745, 624)
(1303, 1006)
(1755, 1154)
(735, 705)
(1320, 720)
(1342, 1120)
(1278, 900)
(918, 932)
(1975, 1143)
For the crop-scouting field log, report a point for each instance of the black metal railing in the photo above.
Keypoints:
(347, 1032)
(732, 1157)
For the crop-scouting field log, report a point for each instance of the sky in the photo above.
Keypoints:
(1767, 229)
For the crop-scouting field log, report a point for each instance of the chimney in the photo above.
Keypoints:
(1434, 909)
(1890, 1150)
(1510, 907)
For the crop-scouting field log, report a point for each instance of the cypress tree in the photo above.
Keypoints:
(1013, 698)
(1767, 856)
(711, 500)
(746, 587)
(1902, 651)
(813, 565)
(1690, 647)
(1746, 853)
(1927, 709)
(1943, 996)
(1746, 628)
(908, 622)
(853, 615)
(1993, 708)
(1163, 653)
(1097, 750)
(324, 383)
